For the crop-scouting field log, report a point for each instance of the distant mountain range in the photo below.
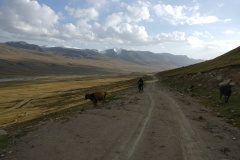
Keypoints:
(138, 57)
(149, 58)
(24, 45)
(19, 59)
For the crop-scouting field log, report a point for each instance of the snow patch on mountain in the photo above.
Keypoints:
(118, 50)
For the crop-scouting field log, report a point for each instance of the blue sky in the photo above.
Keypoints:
(200, 29)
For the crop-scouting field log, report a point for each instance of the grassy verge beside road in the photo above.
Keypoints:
(204, 86)
(27, 100)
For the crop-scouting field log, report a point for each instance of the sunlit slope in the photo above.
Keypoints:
(231, 58)
(21, 62)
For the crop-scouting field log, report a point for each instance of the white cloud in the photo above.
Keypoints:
(194, 42)
(180, 37)
(196, 33)
(28, 17)
(83, 25)
(215, 48)
(89, 14)
(227, 20)
(135, 13)
(204, 34)
(182, 15)
(174, 14)
(69, 31)
(229, 31)
(123, 25)
(175, 36)
(138, 12)
(114, 19)
(129, 34)
(98, 4)
(198, 19)
(223, 45)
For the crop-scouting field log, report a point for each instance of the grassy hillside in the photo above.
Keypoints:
(15, 62)
(202, 82)
(230, 59)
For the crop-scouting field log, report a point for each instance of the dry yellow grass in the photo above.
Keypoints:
(24, 101)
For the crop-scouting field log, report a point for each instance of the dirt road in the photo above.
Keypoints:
(157, 124)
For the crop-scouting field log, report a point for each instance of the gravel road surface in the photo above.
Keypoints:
(158, 124)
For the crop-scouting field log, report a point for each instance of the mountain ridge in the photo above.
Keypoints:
(17, 62)
(24, 45)
(137, 57)
(147, 57)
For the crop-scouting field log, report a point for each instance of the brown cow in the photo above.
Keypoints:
(96, 96)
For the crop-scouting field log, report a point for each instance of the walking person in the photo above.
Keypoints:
(140, 85)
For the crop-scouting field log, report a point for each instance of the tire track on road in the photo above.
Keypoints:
(146, 119)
